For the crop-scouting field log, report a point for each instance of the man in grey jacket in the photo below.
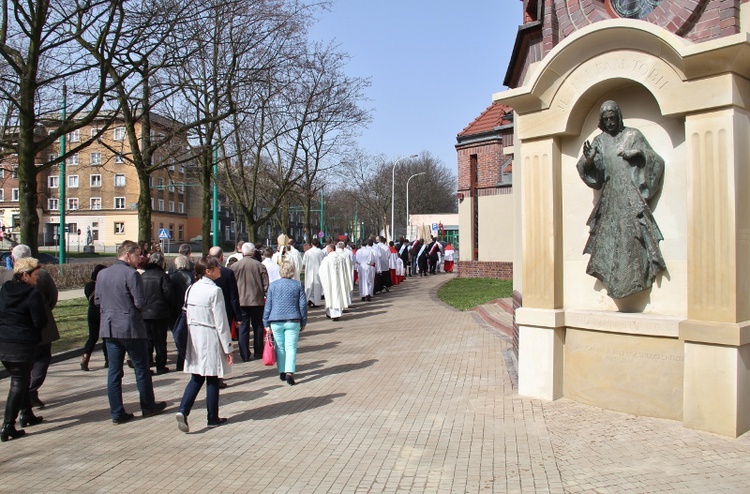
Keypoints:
(119, 294)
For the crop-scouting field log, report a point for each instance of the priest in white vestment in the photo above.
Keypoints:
(334, 275)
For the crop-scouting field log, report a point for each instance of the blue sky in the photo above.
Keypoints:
(434, 66)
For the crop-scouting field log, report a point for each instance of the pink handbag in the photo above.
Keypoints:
(269, 350)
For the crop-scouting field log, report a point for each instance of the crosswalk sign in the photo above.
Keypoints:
(164, 233)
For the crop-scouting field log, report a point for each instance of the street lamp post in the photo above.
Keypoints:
(407, 200)
(393, 191)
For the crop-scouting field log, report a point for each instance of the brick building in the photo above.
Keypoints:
(485, 194)
(547, 23)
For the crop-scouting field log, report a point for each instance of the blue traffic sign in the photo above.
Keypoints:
(164, 233)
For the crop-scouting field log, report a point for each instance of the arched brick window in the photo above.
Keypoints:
(633, 9)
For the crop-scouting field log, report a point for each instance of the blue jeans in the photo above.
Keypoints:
(212, 396)
(138, 351)
(286, 334)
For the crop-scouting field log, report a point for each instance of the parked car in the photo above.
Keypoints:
(43, 258)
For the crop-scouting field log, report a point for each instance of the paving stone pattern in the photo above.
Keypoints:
(403, 394)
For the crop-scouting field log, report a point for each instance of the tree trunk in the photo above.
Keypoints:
(27, 194)
(207, 181)
(144, 206)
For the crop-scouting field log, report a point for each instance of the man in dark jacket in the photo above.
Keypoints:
(119, 294)
(42, 359)
(159, 308)
(252, 284)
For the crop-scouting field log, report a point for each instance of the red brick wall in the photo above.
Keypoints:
(485, 269)
(696, 20)
(490, 158)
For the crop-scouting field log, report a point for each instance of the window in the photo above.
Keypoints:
(152, 205)
(119, 134)
(161, 183)
(14, 195)
(181, 189)
(160, 202)
(119, 159)
(74, 136)
(72, 204)
(2, 172)
(180, 233)
(96, 159)
(171, 168)
(182, 169)
(2, 195)
(119, 180)
(53, 204)
(181, 207)
(73, 181)
(171, 206)
(119, 203)
(14, 172)
(95, 203)
(94, 131)
(51, 157)
(96, 181)
(53, 181)
(634, 9)
(73, 159)
(171, 186)
(119, 228)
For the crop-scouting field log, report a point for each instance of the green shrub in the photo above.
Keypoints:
(74, 275)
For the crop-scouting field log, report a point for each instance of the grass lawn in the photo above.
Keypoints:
(70, 316)
(467, 293)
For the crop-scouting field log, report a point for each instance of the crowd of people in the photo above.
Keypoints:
(135, 302)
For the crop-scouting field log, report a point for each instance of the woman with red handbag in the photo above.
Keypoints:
(285, 315)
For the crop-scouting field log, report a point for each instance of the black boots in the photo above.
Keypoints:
(9, 432)
(85, 361)
(28, 418)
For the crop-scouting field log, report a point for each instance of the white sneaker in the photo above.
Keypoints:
(182, 422)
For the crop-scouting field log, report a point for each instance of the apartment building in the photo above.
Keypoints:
(102, 189)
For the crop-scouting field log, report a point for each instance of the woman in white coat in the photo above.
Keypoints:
(209, 349)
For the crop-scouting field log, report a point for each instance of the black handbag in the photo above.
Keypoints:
(180, 332)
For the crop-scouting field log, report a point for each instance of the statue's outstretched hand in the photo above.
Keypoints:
(589, 152)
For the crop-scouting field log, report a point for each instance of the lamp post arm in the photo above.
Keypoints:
(393, 192)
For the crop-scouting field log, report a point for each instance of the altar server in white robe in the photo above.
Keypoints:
(311, 266)
(366, 271)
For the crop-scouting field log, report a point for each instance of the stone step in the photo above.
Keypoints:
(497, 315)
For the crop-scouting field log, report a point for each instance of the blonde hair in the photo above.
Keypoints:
(287, 270)
(25, 265)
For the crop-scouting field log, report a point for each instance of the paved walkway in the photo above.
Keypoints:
(403, 394)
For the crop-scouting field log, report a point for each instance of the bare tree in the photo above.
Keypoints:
(234, 49)
(40, 49)
(368, 184)
(332, 117)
